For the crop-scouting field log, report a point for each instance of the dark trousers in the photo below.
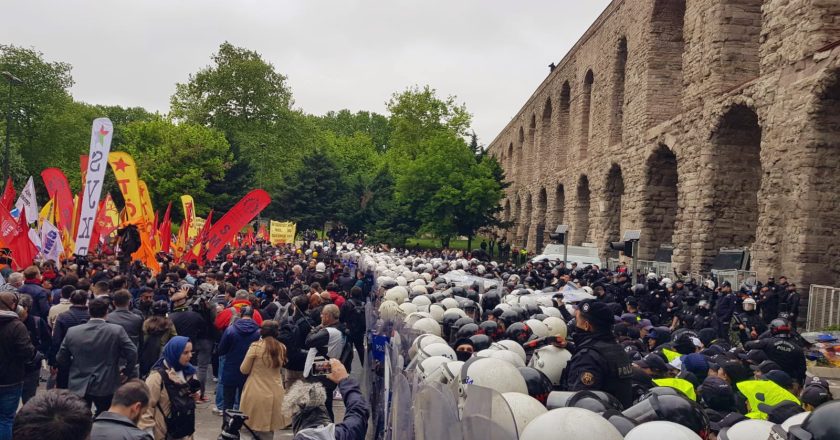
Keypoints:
(359, 343)
(230, 395)
(30, 384)
(330, 387)
(102, 403)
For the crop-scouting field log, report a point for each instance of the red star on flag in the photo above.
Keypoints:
(120, 165)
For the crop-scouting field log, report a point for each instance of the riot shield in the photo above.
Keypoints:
(435, 414)
(402, 420)
(487, 416)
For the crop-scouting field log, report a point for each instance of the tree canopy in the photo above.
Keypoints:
(418, 169)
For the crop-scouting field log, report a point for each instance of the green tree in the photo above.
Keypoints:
(247, 99)
(177, 159)
(35, 103)
(346, 123)
(417, 114)
(311, 198)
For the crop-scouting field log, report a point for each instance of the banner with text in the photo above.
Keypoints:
(283, 232)
(125, 171)
(100, 145)
(243, 212)
(27, 200)
(188, 204)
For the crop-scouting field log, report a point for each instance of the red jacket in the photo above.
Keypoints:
(223, 318)
(336, 298)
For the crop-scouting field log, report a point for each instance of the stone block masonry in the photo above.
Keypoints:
(704, 123)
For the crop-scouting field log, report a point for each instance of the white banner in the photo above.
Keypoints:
(100, 146)
(51, 247)
(27, 200)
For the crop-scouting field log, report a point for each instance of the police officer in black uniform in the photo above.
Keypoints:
(599, 362)
(782, 349)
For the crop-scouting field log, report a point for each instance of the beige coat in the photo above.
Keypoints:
(262, 396)
(152, 417)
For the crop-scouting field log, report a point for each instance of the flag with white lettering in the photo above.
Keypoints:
(27, 200)
(100, 145)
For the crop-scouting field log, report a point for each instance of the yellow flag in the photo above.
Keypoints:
(47, 212)
(126, 174)
(188, 204)
(146, 202)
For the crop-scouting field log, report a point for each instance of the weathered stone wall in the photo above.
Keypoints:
(704, 123)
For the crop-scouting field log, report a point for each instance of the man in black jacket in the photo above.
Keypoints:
(16, 350)
(39, 334)
(77, 314)
(293, 335)
(131, 322)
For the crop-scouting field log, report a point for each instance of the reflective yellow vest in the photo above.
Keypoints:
(766, 392)
(678, 384)
(670, 354)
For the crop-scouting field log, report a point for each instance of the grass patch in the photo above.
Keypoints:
(434, 243)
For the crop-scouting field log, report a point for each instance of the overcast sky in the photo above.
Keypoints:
(337, 54)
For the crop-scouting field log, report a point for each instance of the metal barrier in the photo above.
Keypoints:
(660, 268)
(823, 308)
(737, 278)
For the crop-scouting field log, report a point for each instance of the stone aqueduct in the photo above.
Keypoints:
(704, 123)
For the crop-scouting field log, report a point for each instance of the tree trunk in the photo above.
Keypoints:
(469, 243)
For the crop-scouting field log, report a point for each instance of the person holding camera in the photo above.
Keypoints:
(190, 315)
(305, 404)
(172, 385)
(263, 393)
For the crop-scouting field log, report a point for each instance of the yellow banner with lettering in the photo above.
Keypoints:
(282, 232)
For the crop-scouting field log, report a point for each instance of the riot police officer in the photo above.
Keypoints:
(782, 349)
(599, 362)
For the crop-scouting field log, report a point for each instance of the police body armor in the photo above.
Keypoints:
(619, 369)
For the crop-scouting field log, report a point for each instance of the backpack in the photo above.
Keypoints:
(180, 422)
(358, 316)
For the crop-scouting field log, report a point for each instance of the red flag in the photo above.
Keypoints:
(56, 183)
(234, 220)
(249, 238)
(23, 250)
(165, 230)
(197, 251)
(8, 227)
(263, 233)
(8, 199)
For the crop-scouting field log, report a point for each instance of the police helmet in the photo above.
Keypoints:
(490, 328)
(467, 330)
(660, 429)
(779, 326)
(572, 423)
(539, 386)
(747, 430)
(821, 424)
(524, 408)
(480, 342)
(551, 361)
(519, 332)
(673, 408)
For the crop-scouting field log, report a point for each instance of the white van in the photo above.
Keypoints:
(582, 255)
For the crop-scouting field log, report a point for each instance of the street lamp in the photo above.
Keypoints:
(13, 81)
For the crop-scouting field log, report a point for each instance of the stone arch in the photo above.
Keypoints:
(739, 34)
(514, 219)
(545, 133)
(520, 153)
(564, 121)
(539, 221)
(660, 206)
(580, 229)
(524, 220)
(736, 144)
(617, 111)
(559, 208)
(585, 112)
(822, 247)
(509, 160)
(532, 136)
(613, 197)
(665, 71)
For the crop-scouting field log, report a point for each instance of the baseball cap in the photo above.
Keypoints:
(645, 324)
(780, 412)
(629, 318)
(781, 378)
(765, 367)
(597, 313)
(654, 362)
(717, 394)
(695, 363)
(815, 381)
(754, 357)
(815, 395)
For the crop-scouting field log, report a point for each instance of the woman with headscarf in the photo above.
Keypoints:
(262, 396)
(172, 388)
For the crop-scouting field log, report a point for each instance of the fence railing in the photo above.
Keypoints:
(660, 268)
(823, 308)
